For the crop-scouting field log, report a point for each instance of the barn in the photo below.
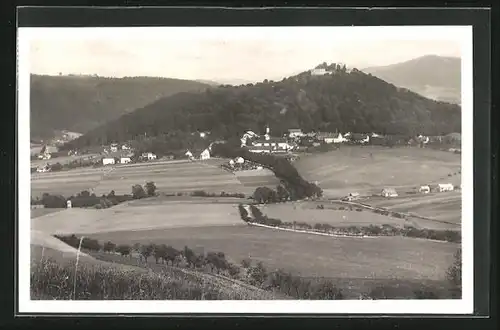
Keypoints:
(442, 187)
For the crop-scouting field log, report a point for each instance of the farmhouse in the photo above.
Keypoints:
(43, 169)
(274, 143)
(424, 189)
(442, 187)
(240, 160)
(205, 154)
(108, 161)
(189, 154)
(319, 72)
(352, 196)
(389, 192)
(114, 147)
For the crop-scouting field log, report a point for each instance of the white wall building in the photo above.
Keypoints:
(205, 155)
(295, 132)
(424, 189)
(125, 160)
(318, 72)
(108, 161)
(389, 192)
(442, 187)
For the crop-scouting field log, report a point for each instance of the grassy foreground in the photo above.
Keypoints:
(51, 280)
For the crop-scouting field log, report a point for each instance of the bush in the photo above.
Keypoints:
(124, 250)
(454, 274)
(53, 201)
(243, 213)
(138, 192)
(150, 188)
(109, 247)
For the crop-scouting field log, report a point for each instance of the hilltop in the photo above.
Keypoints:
(343, 100)
(432, 76)
(82, 103)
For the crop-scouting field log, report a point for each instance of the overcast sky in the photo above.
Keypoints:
(230, 54)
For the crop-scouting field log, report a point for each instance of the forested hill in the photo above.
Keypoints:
(344, 101)
(82, 103)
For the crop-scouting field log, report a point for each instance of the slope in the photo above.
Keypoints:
(347, 101)
(432, 76)
(81, 103)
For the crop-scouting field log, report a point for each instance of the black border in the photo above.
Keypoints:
(479, 18)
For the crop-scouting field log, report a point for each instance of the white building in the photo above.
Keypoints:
(68, 204)
(114, 147)
(424, 189)
(125, 160)
(43, 169)
(148, 156)
(295, 132)
(442, 187)
(205, 155)
(108, 161)
(389, 192)
(240, 160)
(188, 154)
(318, 72)
(125, 147)
(231, 162)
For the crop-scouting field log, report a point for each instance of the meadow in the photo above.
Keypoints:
(304, 254)
(352, 169)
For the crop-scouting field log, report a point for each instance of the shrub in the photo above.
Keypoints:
(150, 188)
(246, 263)
(109, 247)
(454, 274)
(359, 210)
(53, 201)
(124, 250)
(243, 213)
(138, 192)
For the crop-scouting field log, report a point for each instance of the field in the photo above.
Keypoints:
(308, 255)
(253, 179)
(352, 169)
(307, 212)
(446, 206)
(135, 216)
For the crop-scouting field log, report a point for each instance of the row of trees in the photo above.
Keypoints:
(296, 187)
(87, 199)
(257, 216)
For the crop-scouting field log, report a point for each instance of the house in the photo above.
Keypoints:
(188, 154)
(332, 138)
(276, 143)
(424, 189)
(42, 169)
(205, 154)
(108, 161)
(260, 149)
(240, 160)
(148, 156)
(125, 147)
(295, 132)
(442, 187)
(125, 160)
(231, 162)
(389, 192)
(68, 204)
(351, 196)
(113, 147)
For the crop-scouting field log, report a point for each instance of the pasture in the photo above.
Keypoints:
(307, 255)
(352, 169)
(252, 179)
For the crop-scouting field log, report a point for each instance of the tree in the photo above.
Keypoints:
(189, 255)
(138, 192)
(171, 254)
(258, 274)
(150, 188)
(246, 263)
(109, 247)
(111, 193)
(282, 193)
(454, 274)
(159, 252)
(146, 251)
(124, 250)
(263, 195)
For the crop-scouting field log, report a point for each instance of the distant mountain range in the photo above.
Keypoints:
(345, 101)
(82, 103)
(432, 76)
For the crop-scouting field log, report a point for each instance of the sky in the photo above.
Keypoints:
(230, 54)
